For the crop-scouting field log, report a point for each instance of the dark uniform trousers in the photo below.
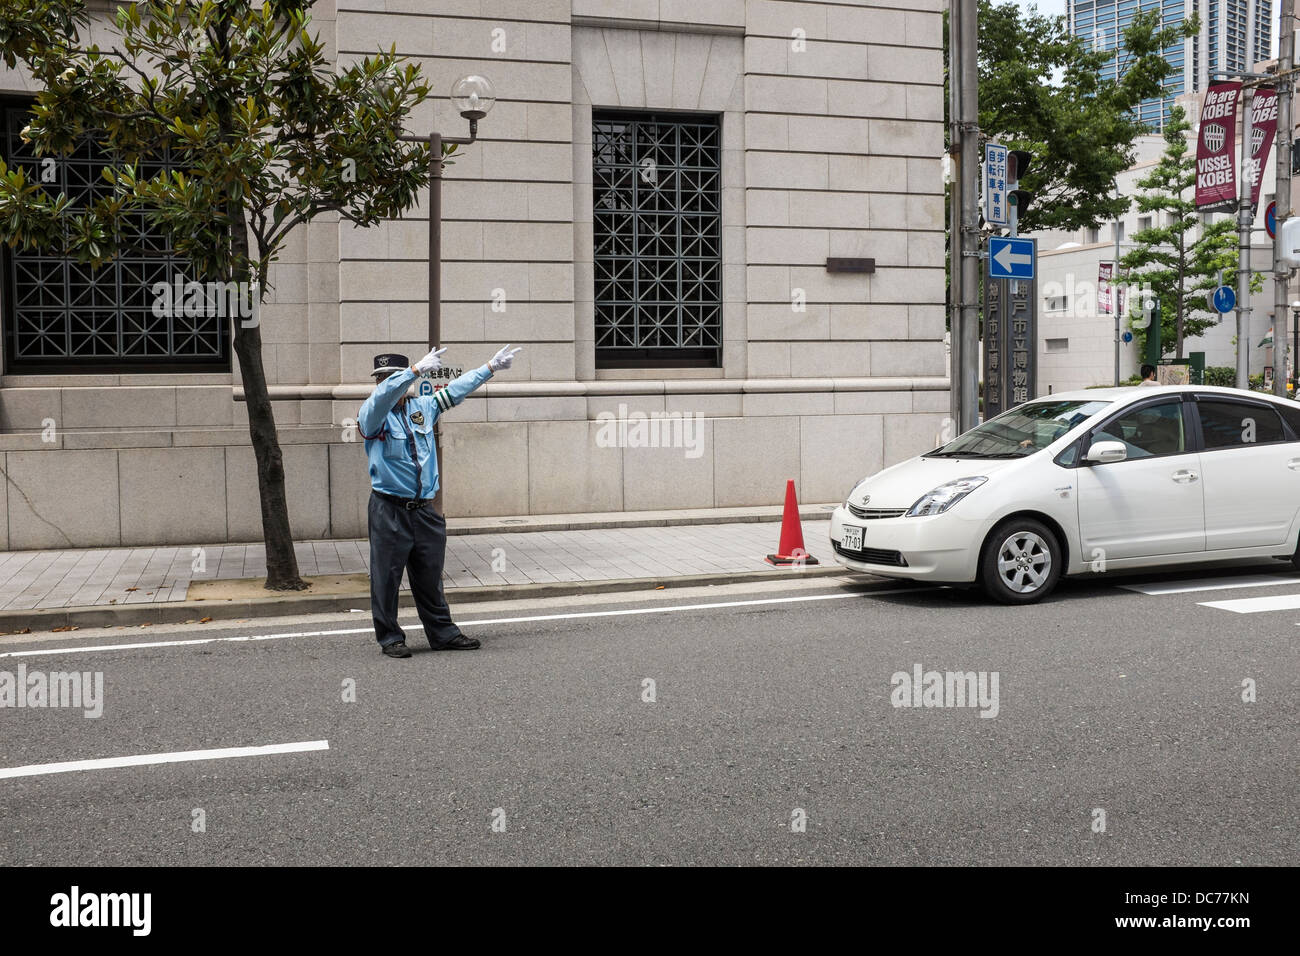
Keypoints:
(415, 542)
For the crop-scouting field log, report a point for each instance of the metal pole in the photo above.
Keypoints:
(1282, 158)
(436, 141)
(955, 246)
(435, 283)
(1295, 349)
(1245, 220)
(970, 238)
(1114, 299)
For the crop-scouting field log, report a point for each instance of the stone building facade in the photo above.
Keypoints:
(781, 135)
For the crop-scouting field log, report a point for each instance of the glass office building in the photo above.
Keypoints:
(1234, 35)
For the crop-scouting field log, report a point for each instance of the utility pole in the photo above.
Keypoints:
(1282, 158)
(1114, 299)
(963, 78)
(956, 182)
(1245, 221)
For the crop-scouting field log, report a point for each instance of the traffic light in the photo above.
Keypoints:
(1018, 162)
(1018, 199)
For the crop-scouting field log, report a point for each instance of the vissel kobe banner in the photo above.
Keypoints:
(1105, 272)
(1263, 126)
(1216, 179)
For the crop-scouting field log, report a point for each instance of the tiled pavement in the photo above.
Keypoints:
(57, 579)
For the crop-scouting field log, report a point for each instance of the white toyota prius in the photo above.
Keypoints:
(1098, 480)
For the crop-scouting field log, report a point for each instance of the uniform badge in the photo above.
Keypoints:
(417, 417)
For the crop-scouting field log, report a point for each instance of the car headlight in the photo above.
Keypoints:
(945, 496)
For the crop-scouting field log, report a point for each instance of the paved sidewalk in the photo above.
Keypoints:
(118, 577)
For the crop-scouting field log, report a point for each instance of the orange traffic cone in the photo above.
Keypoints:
(791, 549)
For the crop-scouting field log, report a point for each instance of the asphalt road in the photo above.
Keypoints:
(1108, 699)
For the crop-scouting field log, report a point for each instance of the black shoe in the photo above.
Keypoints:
(397, 649)
(458, 643)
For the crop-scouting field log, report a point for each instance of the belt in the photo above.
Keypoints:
(410, 504)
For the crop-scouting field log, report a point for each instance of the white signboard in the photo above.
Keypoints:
(995, 184)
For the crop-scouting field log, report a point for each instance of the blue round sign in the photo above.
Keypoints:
(1270, 220)
(426, 386)
(1223, 299)
(1127, 337)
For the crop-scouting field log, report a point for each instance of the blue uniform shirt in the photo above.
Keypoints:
(399, 442)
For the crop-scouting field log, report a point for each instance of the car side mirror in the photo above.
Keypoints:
(1106, 452)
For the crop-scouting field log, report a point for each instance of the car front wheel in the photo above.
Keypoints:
(1021, 563)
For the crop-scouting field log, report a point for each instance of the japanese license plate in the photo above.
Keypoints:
(851, 538)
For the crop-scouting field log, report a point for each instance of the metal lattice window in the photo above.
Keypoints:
(658, 239)
(61, 315)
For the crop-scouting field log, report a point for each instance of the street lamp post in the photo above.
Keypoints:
(474, 97)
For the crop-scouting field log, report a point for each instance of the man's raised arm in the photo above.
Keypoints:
(459, 388)
(381, 401)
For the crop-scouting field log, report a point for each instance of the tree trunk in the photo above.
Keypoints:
(1178, 319)
(281, 562)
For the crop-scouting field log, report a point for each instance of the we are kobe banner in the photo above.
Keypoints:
(1263, 127)
(1216, 173)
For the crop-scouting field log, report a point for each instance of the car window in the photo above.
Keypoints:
(1292, 415)
(1236, 424)
(1020, 431)
(1148, 431)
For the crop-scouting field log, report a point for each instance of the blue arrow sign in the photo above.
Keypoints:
(1223, 299)
(1011, 258)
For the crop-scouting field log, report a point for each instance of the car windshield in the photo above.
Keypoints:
(1021, 431)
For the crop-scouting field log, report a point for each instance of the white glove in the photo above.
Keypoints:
(430, 363)
(504, 359)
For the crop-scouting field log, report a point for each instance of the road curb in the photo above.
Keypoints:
(286, 605)
(597, 522)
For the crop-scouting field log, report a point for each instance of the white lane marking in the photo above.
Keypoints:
(88, 649)
(202, 640)
(139, 760)
(1276, 602)
(1211, 584)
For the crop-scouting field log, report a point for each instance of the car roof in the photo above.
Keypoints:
(1129, 392)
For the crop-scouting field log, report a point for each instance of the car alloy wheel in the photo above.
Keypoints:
(1022, 562)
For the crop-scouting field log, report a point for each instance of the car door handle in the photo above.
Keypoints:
(1294, 464)
(1185, 477)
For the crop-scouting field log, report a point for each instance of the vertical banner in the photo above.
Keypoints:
(1010, 344)
(1263, 126)
(994, 322)
(1216, 179)
(1105, 273)
(1021, 336)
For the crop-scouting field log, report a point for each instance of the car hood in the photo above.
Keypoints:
(901, 485)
